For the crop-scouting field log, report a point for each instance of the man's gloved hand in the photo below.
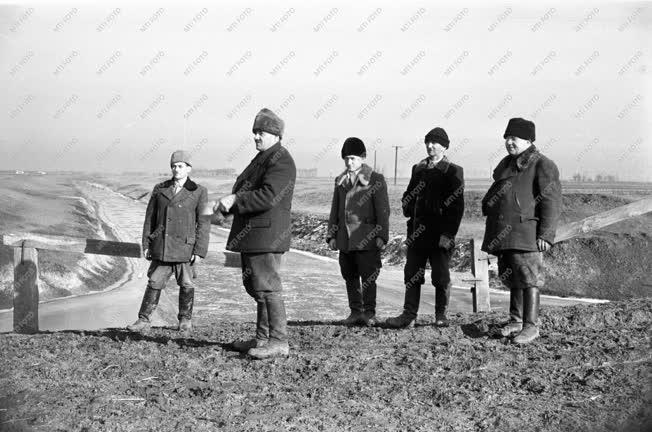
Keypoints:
(543, 245)
(333, 244)
(380, 243)
(147, 255)
(446, 242)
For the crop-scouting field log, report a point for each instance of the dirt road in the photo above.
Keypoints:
(313, 286)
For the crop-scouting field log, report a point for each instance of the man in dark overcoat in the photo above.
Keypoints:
(260, 203)
(175, 236)
(434, 205)
(358, 227)
(522, 208)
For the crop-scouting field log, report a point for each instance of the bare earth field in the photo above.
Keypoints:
(590, 371)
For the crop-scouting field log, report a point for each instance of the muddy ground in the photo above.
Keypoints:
(590, 371)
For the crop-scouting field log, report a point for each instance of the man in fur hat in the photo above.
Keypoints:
(175, 235)
(434, 205)
(522, 208)
(260, 203)
(358, 227)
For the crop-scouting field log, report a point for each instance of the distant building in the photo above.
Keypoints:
(227, 172)
(20, 172)
(307, 172)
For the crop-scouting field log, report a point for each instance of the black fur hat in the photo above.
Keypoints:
(437, 135)
(354, 147)
(521, 128)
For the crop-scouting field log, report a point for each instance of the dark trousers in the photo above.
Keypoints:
(414, 277)
(158, 274)
(262, 281)
(522, 273)
(360, 270)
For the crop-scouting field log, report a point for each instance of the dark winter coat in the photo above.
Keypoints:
(523, 204)
(264, 190)
(434, 203)
(359, 213)
(174, 229)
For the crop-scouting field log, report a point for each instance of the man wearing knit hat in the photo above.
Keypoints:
(522, 208)
(260, 203)
(175, 235)
(434, 205)
(358, 227)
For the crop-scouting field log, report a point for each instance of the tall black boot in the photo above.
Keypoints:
(442, 297)
(262, 330)
(186, 303)
(354, 294)
(147, 307)
(262, 322)
(530, 316)
(515, 323)
(277, 345)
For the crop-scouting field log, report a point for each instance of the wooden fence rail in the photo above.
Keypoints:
(27, 245)
(481, 260)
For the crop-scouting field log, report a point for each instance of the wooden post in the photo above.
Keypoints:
(25, 289)
(480, 269)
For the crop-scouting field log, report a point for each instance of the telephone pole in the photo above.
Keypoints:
(374, 160)
(396, 161)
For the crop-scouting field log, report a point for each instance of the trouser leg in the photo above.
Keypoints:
(351, 275)
(413, 273)
(369, 264)
(441, 278)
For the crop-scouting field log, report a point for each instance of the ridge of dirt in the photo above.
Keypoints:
(589, 371)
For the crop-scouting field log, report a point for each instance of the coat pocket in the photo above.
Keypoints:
(260, 222)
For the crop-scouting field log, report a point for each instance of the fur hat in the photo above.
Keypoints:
(437, 135)
(353, 147)
(521, 128)
(268, 122)
(180, 156)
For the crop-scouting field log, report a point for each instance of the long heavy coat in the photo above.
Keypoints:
(434, 203)
(523, 203)
(174, 229)
(360, 213)
(264, 190)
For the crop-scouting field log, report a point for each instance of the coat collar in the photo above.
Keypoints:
(510, 165)
(168, 188)
(364, 175)
(442, 165)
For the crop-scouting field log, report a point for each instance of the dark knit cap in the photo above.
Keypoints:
(354, 147)
(437, 135)
(521, 128)
(268, 122)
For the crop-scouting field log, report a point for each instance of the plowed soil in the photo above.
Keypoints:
(589, 371)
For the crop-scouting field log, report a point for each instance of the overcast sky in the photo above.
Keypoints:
(113, 87)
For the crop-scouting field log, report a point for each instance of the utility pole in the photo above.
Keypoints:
(374, 160)
(396, 161)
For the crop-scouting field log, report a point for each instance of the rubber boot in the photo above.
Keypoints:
(277, 344)
(186, 302)
(262, 331)
(515, 323)
(442, 297)
(530, 316)
(147, 307)
(369, 290)
(354, 293)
